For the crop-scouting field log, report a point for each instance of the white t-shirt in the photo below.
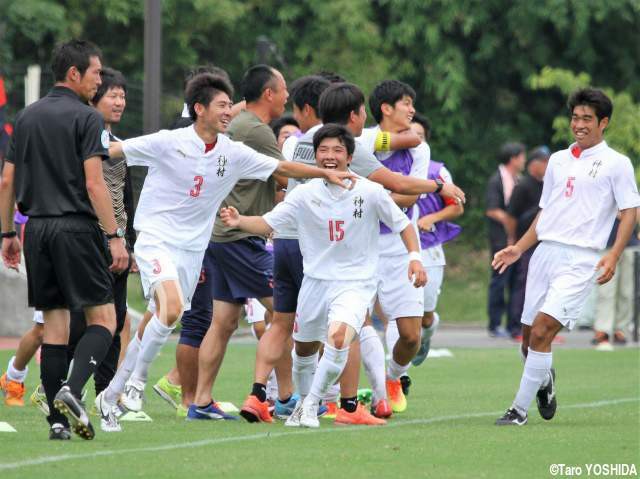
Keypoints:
(185, 186)
(391, 244)
(339, 229)
(582, 195)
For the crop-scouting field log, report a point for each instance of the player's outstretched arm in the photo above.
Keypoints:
(251, 224)
(115, 149)
(10, 246)
(409, 185)
(509, 255)
(416, 273)
(292, 169)
(608, 262)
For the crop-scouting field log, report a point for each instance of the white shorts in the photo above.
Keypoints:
(559, 281)
(432, 289)
(159, 261)
(321, 302)
(254, 310)
(397, 296)
(38, 318)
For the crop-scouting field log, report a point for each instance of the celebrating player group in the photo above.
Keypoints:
(329, 233)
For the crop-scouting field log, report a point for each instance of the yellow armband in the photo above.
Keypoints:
(383, 141)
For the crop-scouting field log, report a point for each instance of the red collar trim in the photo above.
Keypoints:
(576, 151)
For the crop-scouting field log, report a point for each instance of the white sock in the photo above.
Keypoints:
(395, 370)
(14, 374)
(329, 370)
(372, 352)
(332, 394)
(536, 369)
(272, 386)
(427, 333)
(155, 336)
(391, 336)
(116, 386)
(303, 370)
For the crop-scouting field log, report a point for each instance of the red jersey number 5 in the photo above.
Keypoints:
(195, 191)
(336, 233)
(570, 184)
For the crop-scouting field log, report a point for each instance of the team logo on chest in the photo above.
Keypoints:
(595, 166)
(222, 163)
(357, 206)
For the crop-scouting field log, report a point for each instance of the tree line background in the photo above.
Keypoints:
(485, 72)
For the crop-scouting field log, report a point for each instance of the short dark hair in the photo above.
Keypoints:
(74, 53)
(208, 68)
(202, 88)
(594, 98)
(256, 80)
(541, 152)
(307, 91)
(388, 91)
(110, 79)
(338, 101)
(332, 77)
(509, 150)
(333, 130)
(277, 124)
(423, 121)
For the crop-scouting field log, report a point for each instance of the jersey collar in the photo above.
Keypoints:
(576, 153)
(59, 90)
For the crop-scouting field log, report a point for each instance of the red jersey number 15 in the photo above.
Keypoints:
(336, 233)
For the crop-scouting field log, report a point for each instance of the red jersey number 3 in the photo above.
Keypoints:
(195, 191)
(570, 184)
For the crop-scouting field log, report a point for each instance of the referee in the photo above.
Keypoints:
(54, 171)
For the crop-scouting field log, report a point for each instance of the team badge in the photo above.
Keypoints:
(595, 166)
(104, 139)
(357, 206)
(222, 163)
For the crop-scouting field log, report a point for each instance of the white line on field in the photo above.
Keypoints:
(271, 435)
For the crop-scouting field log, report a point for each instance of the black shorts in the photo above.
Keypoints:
(67, 263)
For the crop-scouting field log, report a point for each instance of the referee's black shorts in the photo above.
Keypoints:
(67, 263)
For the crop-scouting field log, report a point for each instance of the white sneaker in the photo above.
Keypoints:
(133, 396)
(294, 419)
(108, 420)
(309, 416)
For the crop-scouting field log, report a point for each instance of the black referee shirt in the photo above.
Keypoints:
(51, 140)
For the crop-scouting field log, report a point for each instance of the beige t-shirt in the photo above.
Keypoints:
(249, 197)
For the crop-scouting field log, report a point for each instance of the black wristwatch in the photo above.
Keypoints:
(118, 234)
(8, 234)
(440, 184)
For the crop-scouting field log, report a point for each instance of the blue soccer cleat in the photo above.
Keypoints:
(210, 412)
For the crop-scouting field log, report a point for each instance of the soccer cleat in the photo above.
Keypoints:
(284, 410)
(133, 396)
(405, 381)
(107, 411)
(171, 393)
(181, 411)
(512, 418)
(72, 407)
(332, 410)
(619, 338)
(254, 410)
(600, 337)
(546, 398)
(423, 352)
(382, 409)
(396, 396)
(13, 391)
(39, 399)
(210, 412)
(309, 414)
(294, 419)
(59, 432)
(360, 417)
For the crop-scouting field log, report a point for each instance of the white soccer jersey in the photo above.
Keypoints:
(582, 193)
(339, 229)
(185, 186)
(391, 244)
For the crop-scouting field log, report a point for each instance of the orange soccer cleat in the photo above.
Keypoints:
(13, 391)
(254, 410)
(360, 417)
(382, 409)
(396, 396)
(332, 410)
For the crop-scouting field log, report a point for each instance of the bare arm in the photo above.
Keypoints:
(509, 255)
(292, 169)
(609, 261)
(409, 185)
(115, 149)
(404, 201)
(251, 224)
(416, 271)
(10, 246)
(448, 213)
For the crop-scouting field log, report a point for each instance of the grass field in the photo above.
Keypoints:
(447, 432)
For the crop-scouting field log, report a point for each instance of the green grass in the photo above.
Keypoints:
(438, 436)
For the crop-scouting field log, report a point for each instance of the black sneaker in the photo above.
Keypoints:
(546, 398)
(72, 407)
(405, 381)
(512, 418)
(59, 432)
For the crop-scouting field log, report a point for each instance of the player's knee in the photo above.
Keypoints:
(540, 334)
(427, 319)
(37, 333)
(412, 340)
(173, 311)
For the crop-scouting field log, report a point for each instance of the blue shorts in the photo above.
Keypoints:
(196, 321)
(287, 275)
(242, 269)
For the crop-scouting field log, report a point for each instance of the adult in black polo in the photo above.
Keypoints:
(54, 172)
